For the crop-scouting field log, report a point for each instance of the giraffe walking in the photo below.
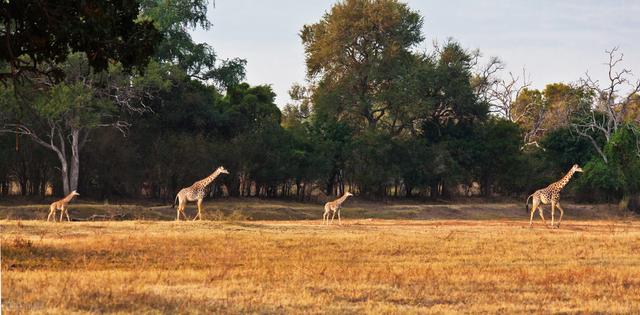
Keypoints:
(62, 206)
(195, 192)
(550, 194)
(334, 206)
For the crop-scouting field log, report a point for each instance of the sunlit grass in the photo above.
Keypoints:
(370, 266)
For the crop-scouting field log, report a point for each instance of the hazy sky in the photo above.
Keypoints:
(556, 41)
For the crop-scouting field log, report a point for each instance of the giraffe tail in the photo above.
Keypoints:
(526, 205)
(175, 202)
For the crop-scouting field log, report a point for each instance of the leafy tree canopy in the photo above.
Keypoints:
(36, 32)
(197, 60)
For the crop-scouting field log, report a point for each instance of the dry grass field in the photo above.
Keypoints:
(364, 266)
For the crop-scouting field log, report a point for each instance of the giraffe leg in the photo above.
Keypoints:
(561, 213)
(333, 216)
(339, 222)
(199, 214)
(66, 212)
(540, 211)
(536, 204)
(52, 212)
(553, 210)
(62, 212)
(184, 206)
(181, 206)
(325, 217)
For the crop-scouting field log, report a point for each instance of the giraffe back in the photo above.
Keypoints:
(193, 192)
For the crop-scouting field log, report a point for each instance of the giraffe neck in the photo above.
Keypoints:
(563, 182)
(68, 198)
(342, 199)
(205, 182)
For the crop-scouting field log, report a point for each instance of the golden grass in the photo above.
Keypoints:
(364, 266)
(256, 209)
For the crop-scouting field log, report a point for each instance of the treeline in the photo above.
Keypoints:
(377, 117)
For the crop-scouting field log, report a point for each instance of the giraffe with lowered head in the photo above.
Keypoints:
(334, 206)
(62, 206)
(195, 192)
(550, 194)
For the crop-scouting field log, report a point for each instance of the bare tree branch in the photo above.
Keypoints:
(609, 108)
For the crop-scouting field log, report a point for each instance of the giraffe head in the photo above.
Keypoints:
(577, 168)
(222, 170)
(75, 193)
(346, 193)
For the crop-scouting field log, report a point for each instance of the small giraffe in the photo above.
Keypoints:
(550, 194)
(334, 206)
(62, 206)
(195, 192)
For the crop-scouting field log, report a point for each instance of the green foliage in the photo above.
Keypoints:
(45, 32)
(620, 176)
(563, 148)
(450, 107)
(197, 60)
(357, 51)
(496, 154)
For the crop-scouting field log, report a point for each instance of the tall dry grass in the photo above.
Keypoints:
(302, 267)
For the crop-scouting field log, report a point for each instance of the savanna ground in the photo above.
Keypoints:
(275, 257)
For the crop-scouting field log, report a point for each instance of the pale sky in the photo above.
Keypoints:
(556, 41)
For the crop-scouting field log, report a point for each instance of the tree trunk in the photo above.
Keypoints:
(75, 160)
(408, 188)
(64, 170)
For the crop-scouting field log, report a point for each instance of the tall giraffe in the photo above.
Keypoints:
(62, 206)
(550, 194)
(334, 206)
(195, 192)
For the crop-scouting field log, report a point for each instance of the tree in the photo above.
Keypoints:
(540, 112)
(60, 117)
(197, 60)
(496, 154)
(563, 148)
(620, 176)
(35, 32)
(356, 52)
(294, 114)
(610, 105)
(448, 105)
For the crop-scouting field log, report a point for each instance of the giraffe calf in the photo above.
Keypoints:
(334, 206)
(62, 206)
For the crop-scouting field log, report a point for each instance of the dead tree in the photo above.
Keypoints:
(610, 102)
(502, 94)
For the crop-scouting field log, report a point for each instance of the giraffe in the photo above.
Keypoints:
(334, 206)
(62, 205)
(195, 192)
(550, 194)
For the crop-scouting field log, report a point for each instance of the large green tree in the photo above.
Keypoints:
(356, 52)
